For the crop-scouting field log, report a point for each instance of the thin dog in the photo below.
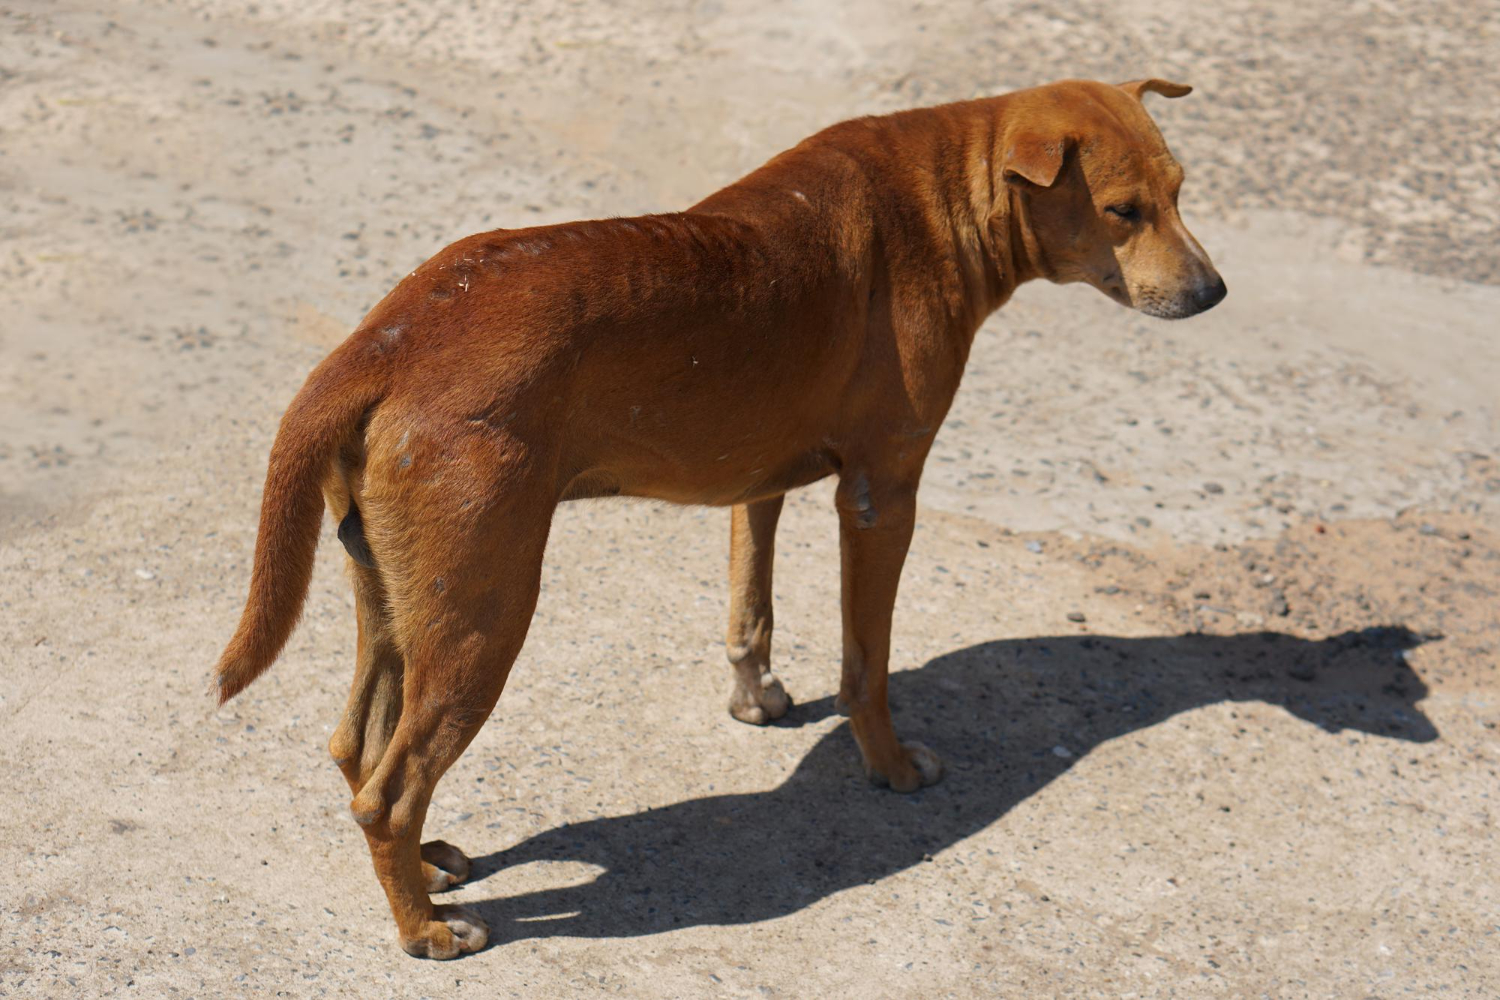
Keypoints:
(811, 319)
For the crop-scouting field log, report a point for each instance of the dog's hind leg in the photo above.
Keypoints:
(758, 696)
(461, 616)
(360, 739)
(362, 735)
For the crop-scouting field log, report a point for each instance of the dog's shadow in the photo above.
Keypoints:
(1007, 717)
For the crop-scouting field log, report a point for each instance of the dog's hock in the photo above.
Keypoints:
(343, 745)
(368, 806)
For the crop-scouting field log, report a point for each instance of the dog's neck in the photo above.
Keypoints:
(1006, 238)
(933, 185)
(970, 206)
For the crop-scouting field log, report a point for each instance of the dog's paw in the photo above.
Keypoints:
(917, 768)
(762, 704)
(451, 932)
(443, 865)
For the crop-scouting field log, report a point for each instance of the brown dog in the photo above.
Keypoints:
(811, 319)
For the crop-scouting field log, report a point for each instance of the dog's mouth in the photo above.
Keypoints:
(1167, 311)
(1169, 308)
(1155, 301)
(1161, 305)
(1114, 286)
(1180, 303)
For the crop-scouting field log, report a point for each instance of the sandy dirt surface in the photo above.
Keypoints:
(1201, 616)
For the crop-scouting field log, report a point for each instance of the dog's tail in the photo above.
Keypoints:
(321, 418)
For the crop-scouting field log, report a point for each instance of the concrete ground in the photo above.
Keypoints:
(1201, 616)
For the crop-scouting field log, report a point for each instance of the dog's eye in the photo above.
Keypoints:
(1127, 212)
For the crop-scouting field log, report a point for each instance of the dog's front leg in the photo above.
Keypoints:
(875, 526)
(758, 696)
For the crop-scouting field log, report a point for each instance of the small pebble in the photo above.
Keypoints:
(1033, 546)
(1062, 751)
(1212, 488)
(1076, 616)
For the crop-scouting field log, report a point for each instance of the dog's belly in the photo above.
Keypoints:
(721, 482)
(717, 412)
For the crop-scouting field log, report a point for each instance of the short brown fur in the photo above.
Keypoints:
(811, 319)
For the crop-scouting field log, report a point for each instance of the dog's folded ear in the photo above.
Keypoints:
(1166, 88)
(1033, 158)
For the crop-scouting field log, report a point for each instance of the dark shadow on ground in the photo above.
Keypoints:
(994, 712)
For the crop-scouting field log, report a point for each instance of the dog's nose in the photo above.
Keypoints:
(1210, 293)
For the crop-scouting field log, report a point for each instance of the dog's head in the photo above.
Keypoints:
(1095, 197)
